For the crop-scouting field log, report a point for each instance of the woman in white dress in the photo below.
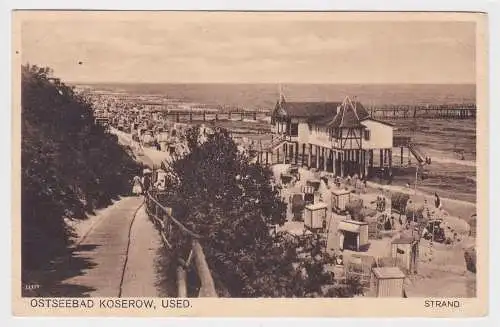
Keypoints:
(137, 186)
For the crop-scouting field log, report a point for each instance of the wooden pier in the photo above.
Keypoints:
(180, 116)
(455, 112)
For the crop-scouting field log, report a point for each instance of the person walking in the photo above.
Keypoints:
(146, 181)
(136, 186)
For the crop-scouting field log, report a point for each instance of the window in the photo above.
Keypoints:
(367, 134)
(294, 129)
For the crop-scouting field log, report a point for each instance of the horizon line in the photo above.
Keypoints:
(275, 83)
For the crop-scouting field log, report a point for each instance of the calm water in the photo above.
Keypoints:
(256, 96)
(438, 138)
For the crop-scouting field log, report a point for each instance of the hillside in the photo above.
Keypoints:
(70, 165)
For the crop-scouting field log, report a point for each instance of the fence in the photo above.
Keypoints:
(192, 254)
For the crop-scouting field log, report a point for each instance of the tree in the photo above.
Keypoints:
(69, 165)
(216, 192)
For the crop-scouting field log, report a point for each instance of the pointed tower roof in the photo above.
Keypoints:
(281, 95)
(349, 114)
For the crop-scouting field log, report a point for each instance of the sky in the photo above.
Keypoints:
(170, 48)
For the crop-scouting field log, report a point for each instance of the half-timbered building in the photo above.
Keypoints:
(337, 137)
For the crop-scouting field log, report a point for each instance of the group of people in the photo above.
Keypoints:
(142, 185)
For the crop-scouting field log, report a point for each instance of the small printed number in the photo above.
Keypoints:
(31, 286)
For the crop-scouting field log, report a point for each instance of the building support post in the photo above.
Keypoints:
(365, 164)
(309, 156)
(341, 163)
(303, 154)
(389, 154)
(331, 160)
(325, 159)
(296, 145)
(381, 158)
(351, 162)
(317, 157)
(358, 162)
(401, 156)
(334, 162)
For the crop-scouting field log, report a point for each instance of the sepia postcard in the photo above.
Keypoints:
(253, 164)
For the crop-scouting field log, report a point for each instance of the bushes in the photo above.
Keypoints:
(70, 165)
(355, 209)
(470, 259)
(215, 191)
(415, 211)
(399, 201)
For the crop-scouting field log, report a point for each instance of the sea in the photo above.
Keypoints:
(452, 143)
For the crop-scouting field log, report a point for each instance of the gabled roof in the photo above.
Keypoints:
(350, 114)
(345, 114)
(305, 109)
(378, 121)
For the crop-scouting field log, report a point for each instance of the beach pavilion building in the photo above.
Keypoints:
(336, 137)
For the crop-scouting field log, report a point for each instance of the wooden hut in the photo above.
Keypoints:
(315, 215)
(308, 194)
(473, 226)
(340, 197)
(405, 251)
(355, 234)
(314, 183)
(298, 204)
(388, 281)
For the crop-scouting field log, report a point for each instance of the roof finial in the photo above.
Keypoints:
(282, 96)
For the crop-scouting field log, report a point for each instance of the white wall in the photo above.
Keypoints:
(319, 136)
(380, 136)
(303, 132)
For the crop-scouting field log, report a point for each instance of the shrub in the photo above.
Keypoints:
(216, 191)
(470, 259)
(355, 209)
(415, 211)
(399, 201)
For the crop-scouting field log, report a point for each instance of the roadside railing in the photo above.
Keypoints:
(191, 254)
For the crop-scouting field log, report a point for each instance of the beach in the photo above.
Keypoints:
(451, 144)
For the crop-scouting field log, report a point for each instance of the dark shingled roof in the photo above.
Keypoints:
(350, 115)
(332, 114)
(306, 109)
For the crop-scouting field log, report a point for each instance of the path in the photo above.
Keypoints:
(149, 156)
(116, 255)
(140, 275)
(122, 247)
(120, 250)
